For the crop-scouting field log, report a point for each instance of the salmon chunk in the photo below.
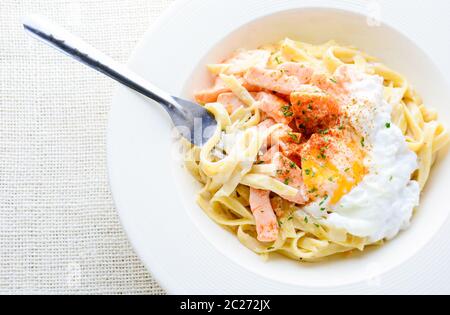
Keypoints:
(275, 107)
(330, 85)
(314, 111)
(284, 140)
(275, 80)
(265, 218)
(301, 72)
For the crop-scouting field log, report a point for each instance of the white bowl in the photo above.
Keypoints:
(155, 196)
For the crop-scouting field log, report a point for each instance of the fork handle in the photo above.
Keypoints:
(75, 47)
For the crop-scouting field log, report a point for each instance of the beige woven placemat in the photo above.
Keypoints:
(59, 231)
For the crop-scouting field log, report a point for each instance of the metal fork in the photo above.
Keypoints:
(193, 121)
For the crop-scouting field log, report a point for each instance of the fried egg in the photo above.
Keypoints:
(358, 174)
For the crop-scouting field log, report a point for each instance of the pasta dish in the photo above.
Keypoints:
(320, 149)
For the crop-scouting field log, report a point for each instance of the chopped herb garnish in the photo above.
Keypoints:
(286, 181)
(313, 190)
(323, 201)
(291, 218)
(306, 219)
(270, 248)
(391, 178)
(324, 132)
(322, 153)
(294, 137)
(341, 127)
(322, 209)
(333, 80)
(363, 142)
(287, 112)
(292, 165)
(307, 172)
(277, 59)
(316, 225)
(330, 179)
(310, 107)
(388, 125)
(347, 169)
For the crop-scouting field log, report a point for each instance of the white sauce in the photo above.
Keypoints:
(382, 204)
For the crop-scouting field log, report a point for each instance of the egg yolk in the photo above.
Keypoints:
(332, 168)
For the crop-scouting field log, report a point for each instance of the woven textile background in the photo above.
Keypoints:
(59, 231)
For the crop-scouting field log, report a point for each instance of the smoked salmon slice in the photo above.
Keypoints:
(274, 80)
(275, 107)
(301, 72)
(266, 220)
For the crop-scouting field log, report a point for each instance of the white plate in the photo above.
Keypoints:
(181, 246)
